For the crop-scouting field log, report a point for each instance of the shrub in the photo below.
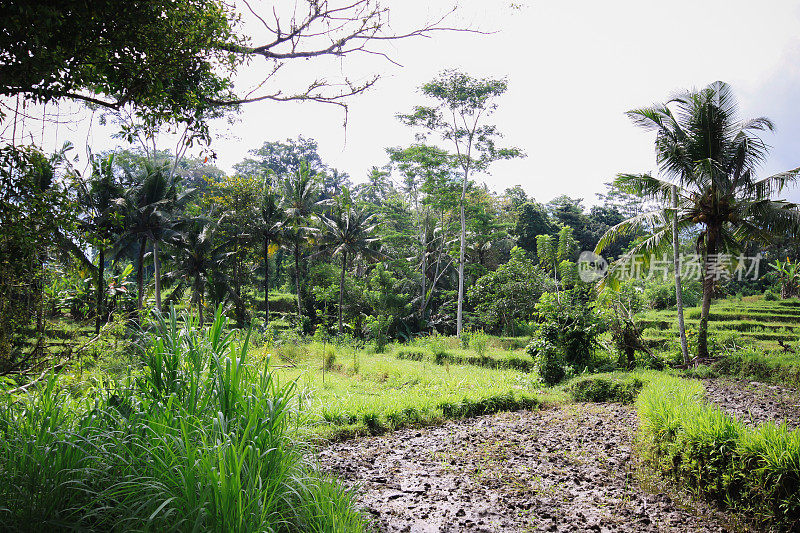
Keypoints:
(570, 324)
(770, 296)
(479, 342)
(548, 362)
(603, 389)
(329, 358)
(378, 327)
(437, 344)
(660, 295)
(464, 339)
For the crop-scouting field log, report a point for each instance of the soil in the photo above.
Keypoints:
(565, 468)
(754, 403)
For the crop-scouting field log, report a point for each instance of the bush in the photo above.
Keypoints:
(437, 344)
(660, 295)
(198, 441)
(570, 324)
(754, 471)
(548, 361)
(770, 296)
(378, 327)
(601, 389)
(479, 342)
(464, 339)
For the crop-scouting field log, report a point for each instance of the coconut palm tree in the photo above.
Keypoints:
(151, 203)
(102, 199)
(271, 228)
(349, 235)
(197, 256)
(300, 200)
(710, 156)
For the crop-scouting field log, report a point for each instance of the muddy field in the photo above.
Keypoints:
(560, 469)
(564, 468)
(755, 403)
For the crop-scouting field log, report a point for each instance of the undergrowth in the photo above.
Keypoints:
(198, 441)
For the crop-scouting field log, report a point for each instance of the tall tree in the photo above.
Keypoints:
(349, 234)
(462, 105)
(197, 256)
(33, 210)
(175, 59)
(676, 265)
(424, 168)
(150, 206)
(281, 158)
(271, 224)
(300, 200)
(102, 200)
(711, 156)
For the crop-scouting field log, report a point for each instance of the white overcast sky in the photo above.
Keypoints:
(574, 68)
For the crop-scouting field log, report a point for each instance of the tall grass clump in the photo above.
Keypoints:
(479, 341)
(752, 471)
(197, 441)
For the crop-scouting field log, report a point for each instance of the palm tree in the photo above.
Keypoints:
(197, 256)
(349, 234)
(102, 200)
(150, 206)
(710, 156)
(300, 199)
(271, 231)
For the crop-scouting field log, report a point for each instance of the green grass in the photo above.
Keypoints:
(754, 364)
(198, 440)
(369, 393)
(497, 358)
(752, 471)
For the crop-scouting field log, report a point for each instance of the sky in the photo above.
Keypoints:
(574, 68)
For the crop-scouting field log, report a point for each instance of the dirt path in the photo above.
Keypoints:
(755, 403)
(560, 469)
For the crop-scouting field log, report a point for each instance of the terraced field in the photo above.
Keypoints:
(764, 324)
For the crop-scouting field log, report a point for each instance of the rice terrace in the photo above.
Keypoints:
(382, 266)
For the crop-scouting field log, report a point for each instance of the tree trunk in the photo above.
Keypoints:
(266, 281)
(424, 246)
(157, 273)
(708, 291)
(678, 290)
(297, 280)
(100, 290)
(462, 249)
(198, 296)
(341, 290)
(140, 273)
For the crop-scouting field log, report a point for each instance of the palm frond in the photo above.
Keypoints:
(643, 222)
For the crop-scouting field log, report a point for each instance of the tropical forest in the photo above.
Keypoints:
(375, 266)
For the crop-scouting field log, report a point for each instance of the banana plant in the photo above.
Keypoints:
(789, 274)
